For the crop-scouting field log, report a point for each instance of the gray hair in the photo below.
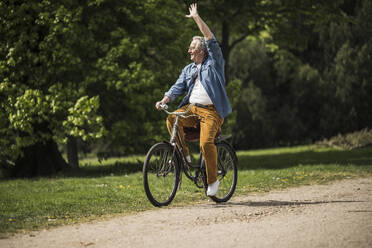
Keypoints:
(201, 44)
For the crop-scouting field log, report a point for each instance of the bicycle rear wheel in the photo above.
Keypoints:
(227, 172)
(161, 174)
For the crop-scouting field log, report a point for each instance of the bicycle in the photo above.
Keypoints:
(166, 161)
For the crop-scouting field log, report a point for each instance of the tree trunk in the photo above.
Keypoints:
(72, 152)
(40, 159)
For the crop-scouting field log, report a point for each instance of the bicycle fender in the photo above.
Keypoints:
(222, 138)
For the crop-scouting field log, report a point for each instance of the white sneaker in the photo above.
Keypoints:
(213, 188)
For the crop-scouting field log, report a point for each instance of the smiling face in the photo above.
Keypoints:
(196, 55)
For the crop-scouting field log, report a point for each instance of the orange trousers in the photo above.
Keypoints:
(210, 123)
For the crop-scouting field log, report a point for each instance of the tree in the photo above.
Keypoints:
(142, 56)
(74, 69)
(348, 70)
(308, 88)
(43, 68)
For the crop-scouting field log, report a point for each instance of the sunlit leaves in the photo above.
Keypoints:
(42, 89)
(83, 121)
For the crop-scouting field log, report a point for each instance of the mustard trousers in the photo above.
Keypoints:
(210, 123)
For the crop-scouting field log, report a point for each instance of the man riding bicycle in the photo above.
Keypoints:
(204, 82)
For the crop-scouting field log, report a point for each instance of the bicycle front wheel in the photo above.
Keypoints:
(227, 164)
(161, 174)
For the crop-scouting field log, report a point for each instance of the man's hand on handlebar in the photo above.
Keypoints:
(163, 103)
(163, 106)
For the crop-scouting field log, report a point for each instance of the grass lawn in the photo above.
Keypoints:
(97, 191)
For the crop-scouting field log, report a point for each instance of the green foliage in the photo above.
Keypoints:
(82, 116)
(233, 92)
(91, 70)
(142, 57)
(348, 72)
(307, 88)
(43, 90)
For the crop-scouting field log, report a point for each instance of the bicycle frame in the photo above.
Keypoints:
(175, 135)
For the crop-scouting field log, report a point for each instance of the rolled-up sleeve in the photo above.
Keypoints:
(178, 88)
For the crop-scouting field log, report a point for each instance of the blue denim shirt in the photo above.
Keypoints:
(211, 76)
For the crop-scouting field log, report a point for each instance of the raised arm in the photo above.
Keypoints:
(199, 21)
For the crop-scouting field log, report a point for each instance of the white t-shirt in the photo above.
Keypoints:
(198, 94)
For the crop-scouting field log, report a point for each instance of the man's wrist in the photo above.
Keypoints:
(195, 16)
(165, 100)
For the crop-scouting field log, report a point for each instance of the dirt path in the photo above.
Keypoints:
(336, 215)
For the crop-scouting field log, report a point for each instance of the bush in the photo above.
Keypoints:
(350, 141)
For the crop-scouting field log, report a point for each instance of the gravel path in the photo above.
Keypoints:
(334, 215)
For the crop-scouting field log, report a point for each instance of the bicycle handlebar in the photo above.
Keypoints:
(164, 107)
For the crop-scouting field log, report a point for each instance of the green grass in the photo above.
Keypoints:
(97, 191)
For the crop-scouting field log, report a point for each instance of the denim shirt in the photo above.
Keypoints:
(211, 76)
